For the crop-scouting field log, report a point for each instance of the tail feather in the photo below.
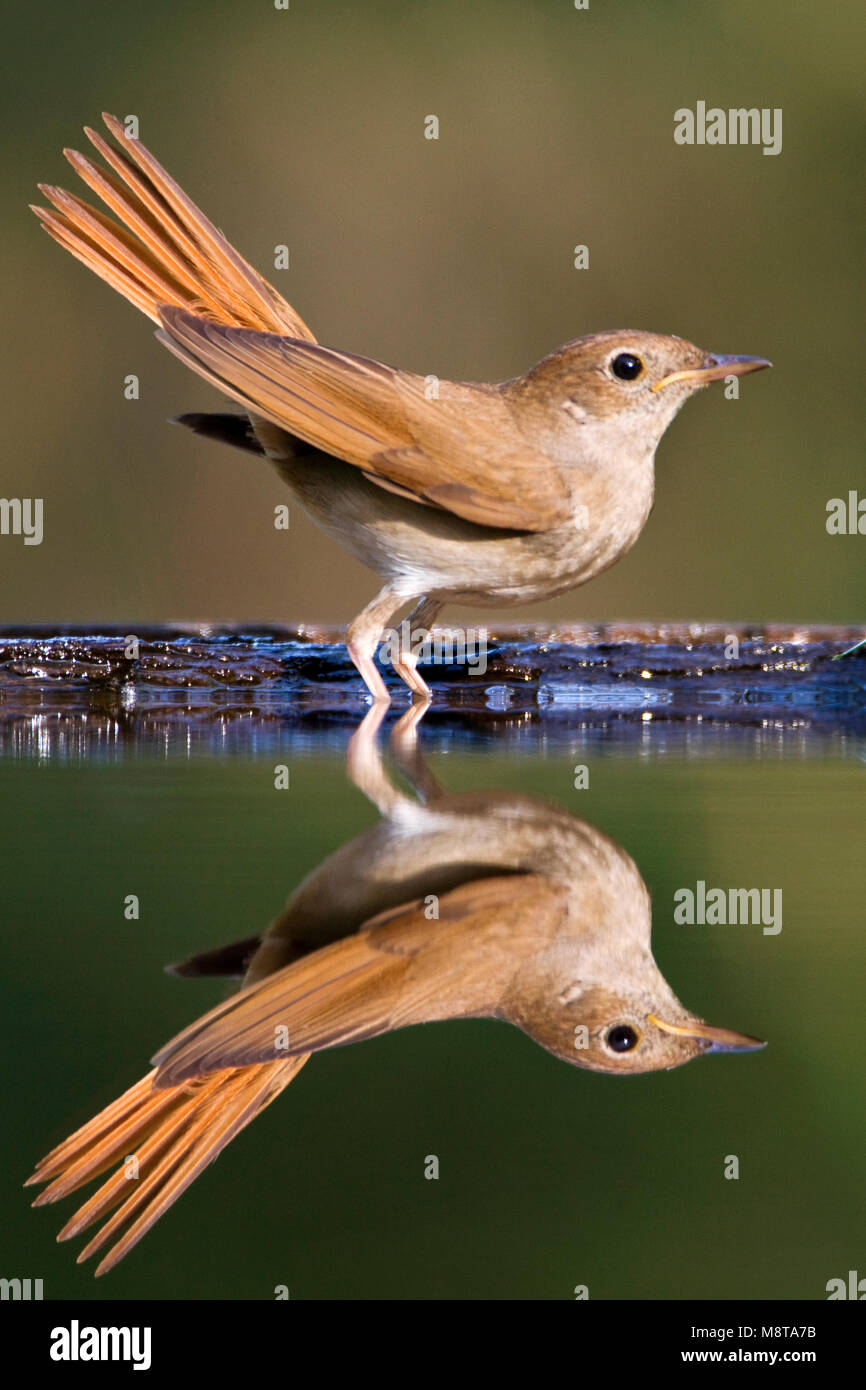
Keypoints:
(162, 249)
(174, 1133)
(78, 244)
(127, 1112)
(131, 199)
(127, 254)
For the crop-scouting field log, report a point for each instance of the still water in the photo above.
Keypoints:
(465, 1157)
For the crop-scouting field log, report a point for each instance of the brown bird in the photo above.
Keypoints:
(494, 494)
(477, 905)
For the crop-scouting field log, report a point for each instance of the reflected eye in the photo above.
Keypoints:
(626, 366)
(621, 1038)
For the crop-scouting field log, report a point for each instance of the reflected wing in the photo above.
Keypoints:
(399, 969)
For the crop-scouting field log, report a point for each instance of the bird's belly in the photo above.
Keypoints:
(425, 550)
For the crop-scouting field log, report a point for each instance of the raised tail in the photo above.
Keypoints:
(162, 1138)
(162, 249)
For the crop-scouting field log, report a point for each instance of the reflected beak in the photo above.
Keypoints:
(719, 1039)
(715, 367)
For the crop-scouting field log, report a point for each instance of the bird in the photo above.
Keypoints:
(480, 493)
(476, 905)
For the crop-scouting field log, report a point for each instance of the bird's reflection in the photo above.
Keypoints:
(477, 905)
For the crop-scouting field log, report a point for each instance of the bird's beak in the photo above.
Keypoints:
(715, 367)
(719, 1039)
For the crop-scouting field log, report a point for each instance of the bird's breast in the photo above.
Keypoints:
(431, 551)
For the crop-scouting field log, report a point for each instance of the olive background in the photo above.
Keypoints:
(305, 127)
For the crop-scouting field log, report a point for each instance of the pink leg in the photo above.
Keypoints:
(406, 667)
(362, 638)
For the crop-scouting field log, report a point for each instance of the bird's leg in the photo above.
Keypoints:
(408, 756)
(362, 638)
(364, 765)
(406, 665)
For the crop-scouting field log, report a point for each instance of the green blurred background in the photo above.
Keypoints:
(305, 127)
(550, 1176)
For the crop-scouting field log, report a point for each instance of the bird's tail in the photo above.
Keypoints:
(159, 248)
(162, 1138)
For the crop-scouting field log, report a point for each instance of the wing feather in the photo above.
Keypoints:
(454, 453)
(398, 969)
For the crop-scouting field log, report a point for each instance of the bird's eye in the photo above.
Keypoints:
(626, 366)
(621, 1038)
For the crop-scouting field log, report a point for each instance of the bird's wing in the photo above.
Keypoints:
(451, 452)
(398, 969)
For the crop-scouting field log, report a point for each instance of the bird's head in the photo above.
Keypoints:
(631, 382)
(625, 1031)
